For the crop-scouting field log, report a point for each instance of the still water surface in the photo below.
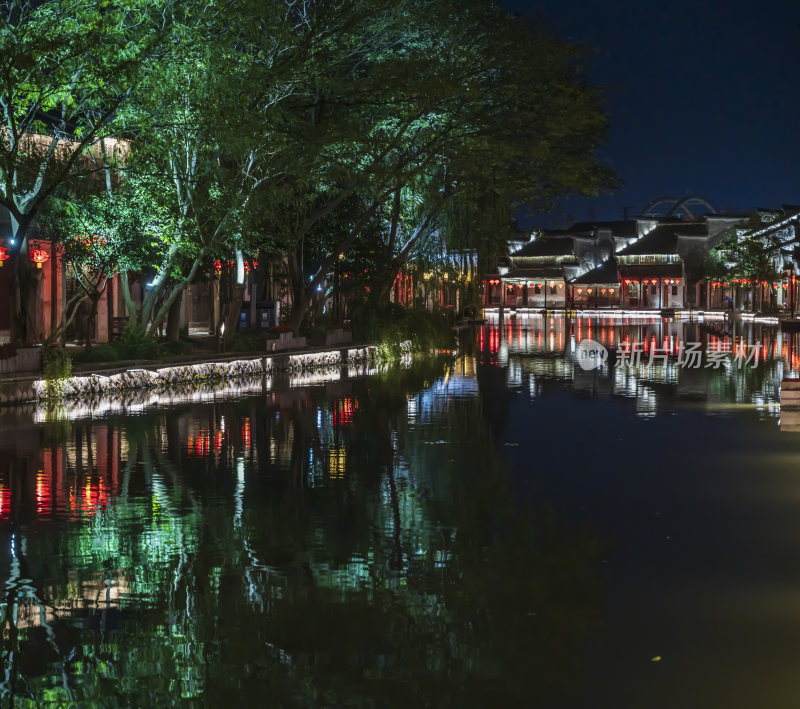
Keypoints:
(502, 529)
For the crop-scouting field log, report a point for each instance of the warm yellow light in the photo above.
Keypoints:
(337, 459)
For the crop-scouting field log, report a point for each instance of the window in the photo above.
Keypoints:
(553, 290)
(674, 290)
(538, 289)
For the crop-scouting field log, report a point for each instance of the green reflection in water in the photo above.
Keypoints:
(358, 544)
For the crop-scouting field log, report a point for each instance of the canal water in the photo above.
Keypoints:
(504, 527)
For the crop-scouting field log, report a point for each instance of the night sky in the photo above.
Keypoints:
(702, 98)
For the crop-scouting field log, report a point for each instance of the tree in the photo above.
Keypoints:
(432, 112)
(79, 231)
(67, 70)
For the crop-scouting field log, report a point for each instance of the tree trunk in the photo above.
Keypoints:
(234, 308)
(92, 324)
(301, 304)
(300, 296)
(174, 320)
(23, 283)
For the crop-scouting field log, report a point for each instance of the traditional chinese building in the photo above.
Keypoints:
(537, 274)
(651, 269)
(597, 288)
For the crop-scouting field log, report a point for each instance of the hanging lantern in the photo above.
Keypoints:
(3, 255)
(38, 256)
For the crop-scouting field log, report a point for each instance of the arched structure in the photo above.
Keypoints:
(691, 207)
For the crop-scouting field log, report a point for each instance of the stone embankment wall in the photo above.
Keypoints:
(161, 378)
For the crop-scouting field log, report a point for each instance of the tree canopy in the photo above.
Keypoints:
(302, 132)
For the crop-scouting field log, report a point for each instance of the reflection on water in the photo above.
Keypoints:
(541, 349)
(135, 401)
(427, 536)
(327, 544)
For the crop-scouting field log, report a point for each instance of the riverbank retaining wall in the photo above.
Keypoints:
(111, 382)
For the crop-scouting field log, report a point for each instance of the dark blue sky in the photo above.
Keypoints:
(702, 97)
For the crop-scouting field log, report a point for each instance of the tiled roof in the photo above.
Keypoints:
(623, 228)
(546, 246)
(664, 239)
(606, 272)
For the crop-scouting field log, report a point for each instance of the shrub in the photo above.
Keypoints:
(134, 343)
(180, 347)
(57, 367)
(245, 342)
(98, 353)
(390, 325)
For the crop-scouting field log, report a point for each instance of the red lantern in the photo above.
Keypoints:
(3, 255)
(39, 256)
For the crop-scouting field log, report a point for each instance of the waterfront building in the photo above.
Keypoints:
(651, 269)
(537, 274)
(648, 263)
(598, 288)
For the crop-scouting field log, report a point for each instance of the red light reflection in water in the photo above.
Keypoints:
(551, 334)
(44, 497)
(88, 498)
(343, 411)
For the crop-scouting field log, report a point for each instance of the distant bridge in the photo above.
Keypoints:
(691, 207)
